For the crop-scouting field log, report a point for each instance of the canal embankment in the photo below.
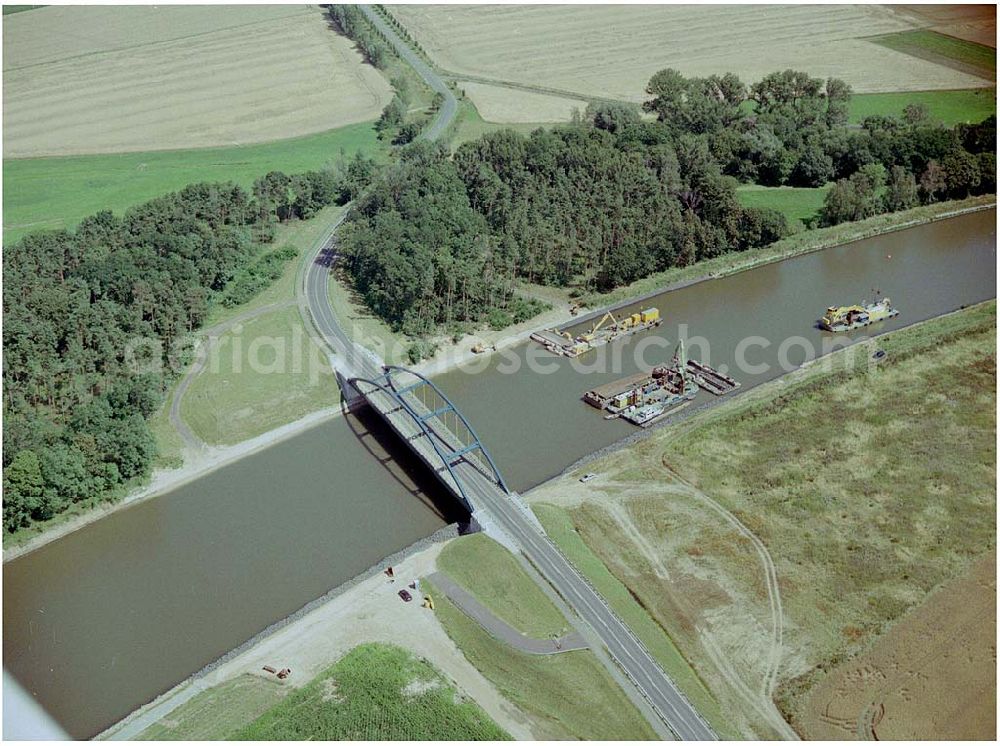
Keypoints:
(452, 355)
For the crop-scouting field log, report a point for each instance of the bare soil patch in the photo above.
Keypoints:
(81, 79)
(976, 23)
(932, 676)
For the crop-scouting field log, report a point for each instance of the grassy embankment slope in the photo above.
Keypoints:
(376, 692)
(567, 696)
(798, 243)
(263, 372)
(218, 713)
(868, 486)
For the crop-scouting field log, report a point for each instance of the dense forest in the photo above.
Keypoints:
(615, 195)
(94, 322)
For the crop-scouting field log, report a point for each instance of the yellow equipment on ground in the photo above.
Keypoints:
(428, 603)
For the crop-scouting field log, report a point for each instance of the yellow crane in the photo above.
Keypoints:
(589, 336)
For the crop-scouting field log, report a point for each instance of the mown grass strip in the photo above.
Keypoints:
(799, 204)
(505, 589)
(950, 51)
(568, 696)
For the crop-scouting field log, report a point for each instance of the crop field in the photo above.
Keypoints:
(217, 713)
(773, 541)
(962, 55)
(501, 104)
(53, 193)
(604, 51)
(932, 675)
(376, 693)
(136, 78)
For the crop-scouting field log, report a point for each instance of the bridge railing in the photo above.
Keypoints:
(434, 406)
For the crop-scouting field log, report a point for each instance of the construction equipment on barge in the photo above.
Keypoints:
(644, 398)
(847, 318)
(606, 329)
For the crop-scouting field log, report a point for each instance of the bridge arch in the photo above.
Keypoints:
(429, 417)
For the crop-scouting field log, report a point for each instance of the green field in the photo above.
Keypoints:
(948, 107)
(217, 713)
(375, 693)
(267, 373)
(59, 192)
(569, 696)
(945, 50)
(798, 204)
(506, 590)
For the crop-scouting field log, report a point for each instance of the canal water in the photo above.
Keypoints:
(535, 423)
(107, 618)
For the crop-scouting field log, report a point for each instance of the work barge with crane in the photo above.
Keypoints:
(645, 398)
(606, 329)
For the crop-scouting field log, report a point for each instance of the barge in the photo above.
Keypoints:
(847, 318)
(606, 329)
(644, 398)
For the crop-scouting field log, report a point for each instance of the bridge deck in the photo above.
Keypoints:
(485, 496)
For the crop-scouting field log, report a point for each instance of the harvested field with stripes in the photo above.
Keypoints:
(611, 52)
(110, 79)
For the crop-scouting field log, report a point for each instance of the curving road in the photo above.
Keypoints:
(351, 360)
(450, 105)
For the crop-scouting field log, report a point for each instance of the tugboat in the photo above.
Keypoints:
(846, 318)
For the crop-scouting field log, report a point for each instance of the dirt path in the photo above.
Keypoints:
(765, 705)
(498, 628)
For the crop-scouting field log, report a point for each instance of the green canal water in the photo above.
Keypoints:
(105, 619)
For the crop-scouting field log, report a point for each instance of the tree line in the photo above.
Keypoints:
(906, 163)
(353, 24)
(94, 321)
(615, 196)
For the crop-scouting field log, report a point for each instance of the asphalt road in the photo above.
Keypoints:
(658, 689)
(450, 105)
(654, 684)
(352, 361)
(349, 359)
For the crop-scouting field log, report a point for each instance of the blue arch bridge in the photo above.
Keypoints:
(434, 428)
